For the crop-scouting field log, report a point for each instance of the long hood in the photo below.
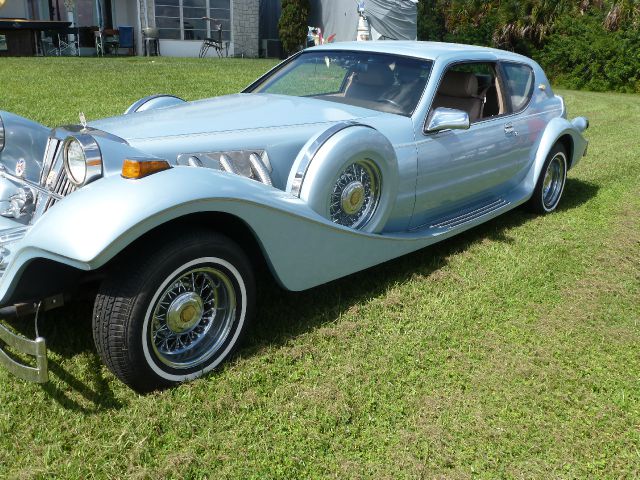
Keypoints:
(243, 111)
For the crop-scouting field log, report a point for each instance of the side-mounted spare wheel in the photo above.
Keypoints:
(176, 313)
(349, 175)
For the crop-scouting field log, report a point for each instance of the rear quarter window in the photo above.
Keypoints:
(519, 83)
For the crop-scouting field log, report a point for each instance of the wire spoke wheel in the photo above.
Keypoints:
(355, 195)
(192, 317)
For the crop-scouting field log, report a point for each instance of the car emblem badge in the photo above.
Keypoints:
(20, 167)
(51, 178)
(83, 120)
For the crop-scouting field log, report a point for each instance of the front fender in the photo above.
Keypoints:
(89, 227)
(24, 140)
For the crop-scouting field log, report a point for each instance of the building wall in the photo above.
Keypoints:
(14, 9)
(245, 27)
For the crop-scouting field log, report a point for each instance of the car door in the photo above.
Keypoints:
(459, 169)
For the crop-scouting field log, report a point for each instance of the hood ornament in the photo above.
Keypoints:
(83, 120)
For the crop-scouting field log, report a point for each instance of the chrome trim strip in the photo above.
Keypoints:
(469, 215)
(1, 134)
(13, 234)
(36, 348)
(312, 150)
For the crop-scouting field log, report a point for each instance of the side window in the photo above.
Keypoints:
(473, 88)
(519, 84)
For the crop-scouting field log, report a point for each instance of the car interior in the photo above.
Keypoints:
(393, 87)
(473, 88)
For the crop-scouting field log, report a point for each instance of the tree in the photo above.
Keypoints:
(293, 24)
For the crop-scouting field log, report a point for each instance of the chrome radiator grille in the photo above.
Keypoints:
(53, 178)
(62, 187)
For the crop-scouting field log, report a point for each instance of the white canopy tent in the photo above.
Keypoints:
(389, 19)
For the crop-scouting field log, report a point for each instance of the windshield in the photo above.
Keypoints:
(387, 83)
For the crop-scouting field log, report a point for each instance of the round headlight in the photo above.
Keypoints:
(76, 162)
(82, 159)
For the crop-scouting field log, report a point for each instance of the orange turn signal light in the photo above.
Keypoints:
(132, 168)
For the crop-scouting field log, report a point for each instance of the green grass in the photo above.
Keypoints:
(511, 351)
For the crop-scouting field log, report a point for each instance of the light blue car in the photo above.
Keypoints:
(342, 157)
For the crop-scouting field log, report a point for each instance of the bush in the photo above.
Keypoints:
(583, 55)
(292, 27)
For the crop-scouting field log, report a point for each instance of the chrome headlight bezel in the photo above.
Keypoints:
(92, 158)
(2, 134)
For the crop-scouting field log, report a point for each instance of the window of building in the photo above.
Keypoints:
(182, 19)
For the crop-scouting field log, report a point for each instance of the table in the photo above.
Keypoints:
(21, 36)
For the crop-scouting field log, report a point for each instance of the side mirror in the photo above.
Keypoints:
(447, 119)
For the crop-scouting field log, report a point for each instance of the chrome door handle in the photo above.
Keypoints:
(508, 130)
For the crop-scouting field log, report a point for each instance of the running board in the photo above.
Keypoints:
(469, 215)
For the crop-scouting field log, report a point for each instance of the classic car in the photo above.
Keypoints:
(341, 157)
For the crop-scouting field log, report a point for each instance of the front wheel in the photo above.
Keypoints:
(550, 186)
(176, 314)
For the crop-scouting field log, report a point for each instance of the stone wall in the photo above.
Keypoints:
(244, 29)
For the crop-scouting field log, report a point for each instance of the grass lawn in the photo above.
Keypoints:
(511, 351)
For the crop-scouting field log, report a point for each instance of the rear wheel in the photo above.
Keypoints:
(176, 314)
(550, 186)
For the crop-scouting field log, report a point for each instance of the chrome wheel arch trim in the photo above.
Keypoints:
(2, 134)
(152, 102)
(301, 164)
(151, 361)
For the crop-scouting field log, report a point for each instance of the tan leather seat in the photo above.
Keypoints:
(459, 90)
(370, 84)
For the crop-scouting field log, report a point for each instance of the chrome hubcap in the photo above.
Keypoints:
(185, 312)
(192, 317)
(352, 198)
(553, 181)
(355, 195)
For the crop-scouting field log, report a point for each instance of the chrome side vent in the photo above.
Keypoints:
(253, 164)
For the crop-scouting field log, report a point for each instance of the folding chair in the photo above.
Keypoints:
(69, 41)
(215, 42)
(99, 40)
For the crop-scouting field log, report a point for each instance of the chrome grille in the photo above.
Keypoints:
(53, 147)
(52, 165)
(62, 187)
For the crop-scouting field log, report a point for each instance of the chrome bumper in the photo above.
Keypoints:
(36, 348)
(17, 344)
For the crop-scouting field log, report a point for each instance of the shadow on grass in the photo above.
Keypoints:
(282, 315)
(68, 334)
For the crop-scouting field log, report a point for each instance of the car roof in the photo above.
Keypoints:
(426, 50)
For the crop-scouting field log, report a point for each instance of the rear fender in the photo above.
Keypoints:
(555, 130)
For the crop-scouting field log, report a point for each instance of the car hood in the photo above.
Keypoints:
(243, 111)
